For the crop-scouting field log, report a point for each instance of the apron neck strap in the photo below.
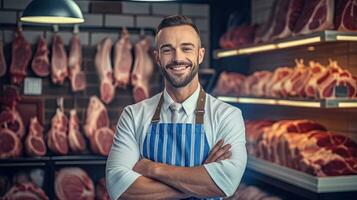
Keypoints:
(200, 109)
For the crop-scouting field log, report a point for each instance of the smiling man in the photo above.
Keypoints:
(182, 143)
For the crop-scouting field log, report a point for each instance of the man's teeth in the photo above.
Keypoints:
(177, 68)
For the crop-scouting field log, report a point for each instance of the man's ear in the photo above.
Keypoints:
(157, 60)
(201, 54)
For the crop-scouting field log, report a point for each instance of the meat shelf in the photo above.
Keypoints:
(313, 38)
(24, 161)
(303, 180)
(323, 103)
(79, 160)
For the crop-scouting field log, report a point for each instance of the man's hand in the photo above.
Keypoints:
(219, 152)
(144, 167)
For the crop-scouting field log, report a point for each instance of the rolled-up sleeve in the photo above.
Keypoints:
(228, 173)
(122, 157)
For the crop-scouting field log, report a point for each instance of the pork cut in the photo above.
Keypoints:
(142, 71)
(123, 60)
(96, 117)
(10, 144)
(76, 75)
(346, 15)
(3, 66)
(288, 12)
(317, 15)
(260, 87)
(34, 142)
(105, 71)
(41, 63)
(229, 83)
(11, 119)
(57, 138)
(73, 183)
(26, 190)
(76, 140)
(10, 96)
(275, 85)
(101, 190)
(295, 84)
(21, 55)
(59, 63)
(102, 140)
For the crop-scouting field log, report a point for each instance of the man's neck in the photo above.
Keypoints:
(179, 95)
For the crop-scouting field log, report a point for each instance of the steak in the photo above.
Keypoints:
(11, 119)
(34, 142)
(73, 183)
(123, 60)
(21, 55)
(40, 63)
(96, 117)
(229, 83)
(26, 190)
(101, 190)
(346, 15)
(102, 140)
(10, 144)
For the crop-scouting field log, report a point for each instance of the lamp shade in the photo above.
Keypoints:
(52, 12)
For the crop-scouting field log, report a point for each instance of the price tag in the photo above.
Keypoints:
(33, 86)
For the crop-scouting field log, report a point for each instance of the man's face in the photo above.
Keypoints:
(179, 54)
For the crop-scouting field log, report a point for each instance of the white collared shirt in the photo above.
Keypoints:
(221, 121)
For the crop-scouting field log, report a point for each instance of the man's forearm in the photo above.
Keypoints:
(194, 181)
(146, 188)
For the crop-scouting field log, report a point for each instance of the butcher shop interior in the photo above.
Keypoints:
(290, 66)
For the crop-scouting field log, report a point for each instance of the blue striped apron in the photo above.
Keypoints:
(179, 144)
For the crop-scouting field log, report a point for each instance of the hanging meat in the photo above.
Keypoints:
(346, 15)
(76, 75)
(317, 15)
(57, 138)
(11, 145)
(3, 66)
(76, 140)
(34, 143)
(143, 70)
(73, 183)
(59, 68)
(123, 60)
(96, 117)
(21, 55)
(11, 119)
(27, 190)
(40, 63)
(102, 140)
(105, 71)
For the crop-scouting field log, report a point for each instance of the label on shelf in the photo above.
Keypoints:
(33, 86)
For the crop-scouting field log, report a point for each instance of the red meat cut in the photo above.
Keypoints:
(76, 75)
(123, 60)
(59, 68)
(76, 140)
(40, 63)
(27, 190)
(101, 190)
(102, 140)
(57, 138)
(346, 15)
(73, 183)
(21, 55)
(11, 119)
(96, 117)
(10, 144)
(34, 142)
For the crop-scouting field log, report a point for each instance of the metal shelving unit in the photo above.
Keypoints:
(313, 38)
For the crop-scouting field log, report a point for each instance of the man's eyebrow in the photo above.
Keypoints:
(165, 45)
(188, 44)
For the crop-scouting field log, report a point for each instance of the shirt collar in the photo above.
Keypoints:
(189, 105)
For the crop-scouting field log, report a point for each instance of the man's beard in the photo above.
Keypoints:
(179, 82)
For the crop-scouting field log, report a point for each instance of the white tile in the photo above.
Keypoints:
(148, 21)
(97, 37)
(93, 20)
(32, 36)
(8, 17)
(119, 20)
(165, 8)
(16, 4)
(135, 8)
(195, 9)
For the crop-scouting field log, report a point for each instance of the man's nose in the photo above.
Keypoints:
(179, 55)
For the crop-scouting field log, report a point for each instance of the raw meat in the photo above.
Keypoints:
(101, 141)
(57, 138)
(295, 84)
(26, 190)
(143, 69)
(105, 71)
(40, 63)
(76, 140)
(346, 16)
(77, 77)
(73, 183)
(59, 68)
(317, 15)
(288, 12)
(34, 143)
(11, 119)
(265, 30)
(10, 96)
(96, 117)
(101, 190)
(238, 36)
(10, 144)
(275, 85)
(3, 66)
(254, 133)
(21, 55)
(259, 88)
(229, 83)
(316, 71)
(123, 60)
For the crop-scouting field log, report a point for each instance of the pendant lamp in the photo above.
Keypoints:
(52, 12)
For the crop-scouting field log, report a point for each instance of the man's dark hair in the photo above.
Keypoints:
(176, 20)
